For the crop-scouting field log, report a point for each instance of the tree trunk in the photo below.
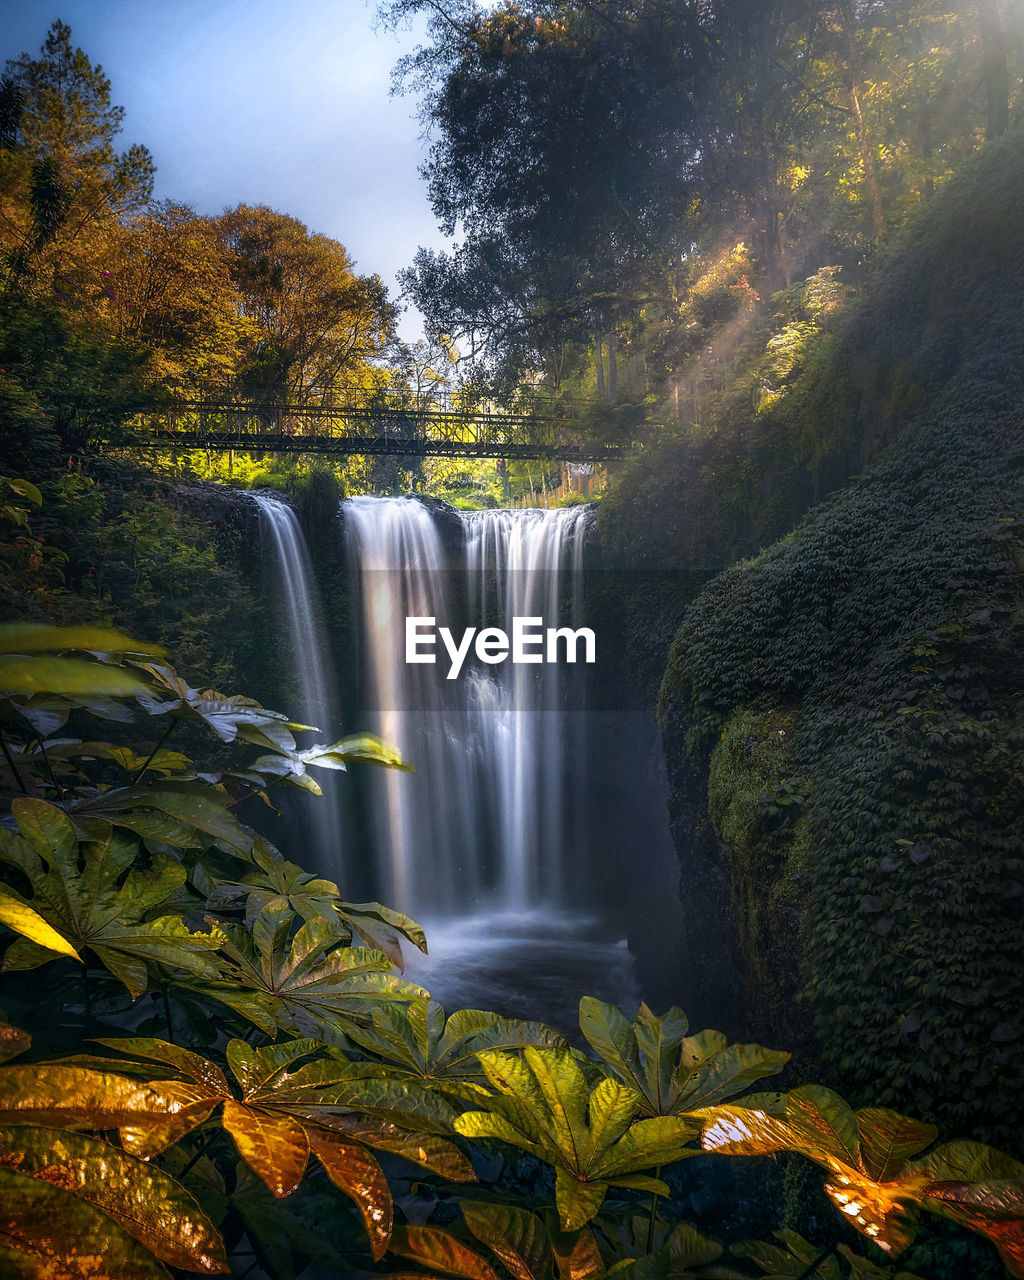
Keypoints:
(997, 78)
(867, 156)
(599, 365)
(613, 366)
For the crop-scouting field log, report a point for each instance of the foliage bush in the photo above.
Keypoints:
(819, 380)
(874, 858)
(890, 623)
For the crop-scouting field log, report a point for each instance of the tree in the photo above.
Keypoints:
(590, 151)
(169, 285)
(66, 129)
(566, 141)
(315, 329)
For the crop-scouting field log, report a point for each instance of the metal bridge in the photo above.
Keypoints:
(434, 429)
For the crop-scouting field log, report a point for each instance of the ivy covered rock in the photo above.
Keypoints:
(853, 695)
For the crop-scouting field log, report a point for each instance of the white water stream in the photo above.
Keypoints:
(492, 815)
(487, 843)
(307, 654)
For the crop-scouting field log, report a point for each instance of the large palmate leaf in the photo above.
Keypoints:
(285, 1113)
(310, 897)
(60, 1188)
(518, 1238)
(788, 1259)
(543, 1106)
(32, 660)
(291, 765)
(231, 718)
(187, 815)
(30, 924)
(867, 1154)
(670, 1071)
(876, 1180)
(307, 1227)
(241, 719)
(311, 983)
(91, 895)
(421, 1044)
(791, 1259)
(527, 1251)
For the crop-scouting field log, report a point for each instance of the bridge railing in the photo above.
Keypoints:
(442, 423)
(378, 424)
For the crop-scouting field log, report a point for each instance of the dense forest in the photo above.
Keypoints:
(776, 248)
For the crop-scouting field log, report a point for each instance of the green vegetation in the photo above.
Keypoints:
(874, 845)
(704, 247)
(631, 179)
(149, 907)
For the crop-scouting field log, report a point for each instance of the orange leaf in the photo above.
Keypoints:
(273, 1146)
(357, 1173)
(583, 1261)
(436, 1248)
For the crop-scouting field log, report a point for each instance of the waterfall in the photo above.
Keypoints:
(302, 633)
(493, 819)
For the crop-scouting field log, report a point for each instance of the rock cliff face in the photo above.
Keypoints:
(711, 977)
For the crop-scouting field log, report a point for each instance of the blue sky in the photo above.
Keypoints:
(278, 102)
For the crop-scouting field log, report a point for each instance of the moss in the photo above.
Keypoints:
(891, 621)
(759, 813)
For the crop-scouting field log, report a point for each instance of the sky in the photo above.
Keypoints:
(285, 103)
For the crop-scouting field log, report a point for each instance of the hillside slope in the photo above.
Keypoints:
(848, 703)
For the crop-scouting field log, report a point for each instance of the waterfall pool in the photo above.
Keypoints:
(528, 964)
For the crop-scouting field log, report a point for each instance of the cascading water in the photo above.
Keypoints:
(489, 816)
(303, 633)
(486, 842)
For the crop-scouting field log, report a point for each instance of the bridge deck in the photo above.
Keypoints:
(436, 431)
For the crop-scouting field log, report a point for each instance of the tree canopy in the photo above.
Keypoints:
(590, 150)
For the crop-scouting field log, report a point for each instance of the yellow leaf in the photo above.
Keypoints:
(30, 924)
(273, 1146)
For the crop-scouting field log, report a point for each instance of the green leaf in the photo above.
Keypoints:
(688, 1248)
(671, 1072)
(287, 1233)
(91, 895)
(33, 675)
(542, 1105)
(198, 806)
(576, 1201)
(34, 637)
(789, 1262)
(315, 986)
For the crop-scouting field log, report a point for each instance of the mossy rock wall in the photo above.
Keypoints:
(873, 844)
